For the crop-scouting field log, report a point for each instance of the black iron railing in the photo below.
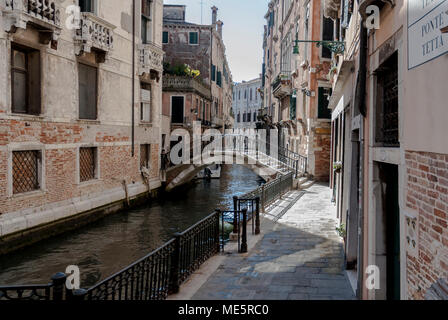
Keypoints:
(161, 272)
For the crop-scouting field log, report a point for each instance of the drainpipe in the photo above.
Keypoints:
(133, 79)
(362, 109)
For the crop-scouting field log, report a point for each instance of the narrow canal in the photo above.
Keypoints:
(106, 246)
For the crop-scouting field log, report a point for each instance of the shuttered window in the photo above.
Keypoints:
(194, 38)
(219, 78)
(213, 72)
(25, 81)
(87, 92)
(165, 37)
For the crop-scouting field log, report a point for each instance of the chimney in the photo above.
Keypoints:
(220, 23)
(214, 15)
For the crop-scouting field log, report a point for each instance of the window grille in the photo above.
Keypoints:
(86, 164)
(25, 171)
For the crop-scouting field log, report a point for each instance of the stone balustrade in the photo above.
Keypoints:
(179, 83)
(151, 58)
(94, 33)
(42, 13)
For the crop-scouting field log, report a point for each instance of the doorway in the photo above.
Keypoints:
(388, 231)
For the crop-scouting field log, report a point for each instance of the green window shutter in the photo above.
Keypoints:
(213, 72)
(165, 37)
(193, 38)
(292, 109)
(219, 80)
(323, 112)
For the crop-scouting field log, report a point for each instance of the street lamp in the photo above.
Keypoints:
(337, 47)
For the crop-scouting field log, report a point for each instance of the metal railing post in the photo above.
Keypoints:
(280, 191)
(175, 265)
(58, 282)
(263, 199)
(244, 232)
(297, 168)
(78, 295)
(257, 216)
(235, 215)
(218, 238)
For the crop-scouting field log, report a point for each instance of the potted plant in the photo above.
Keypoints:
(342, 232)
(337, 166)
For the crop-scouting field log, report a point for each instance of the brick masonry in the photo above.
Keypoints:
(60, 142)
(427, 195)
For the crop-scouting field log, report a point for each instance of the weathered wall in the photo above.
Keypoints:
(59, 134)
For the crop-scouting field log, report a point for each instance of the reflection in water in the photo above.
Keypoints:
(106, 246)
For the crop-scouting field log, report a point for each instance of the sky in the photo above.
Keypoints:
(242, 31)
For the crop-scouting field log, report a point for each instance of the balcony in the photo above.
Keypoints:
(282, 86)
(44, 15)
(185, 84)
(94, 34)
(363, 4)
(151, 58)
(217, 122)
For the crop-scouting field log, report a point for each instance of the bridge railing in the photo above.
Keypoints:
(274, 155)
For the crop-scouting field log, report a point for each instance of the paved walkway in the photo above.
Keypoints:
(299, 257)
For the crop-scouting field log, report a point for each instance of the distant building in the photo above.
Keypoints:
(207, 98)
(246, 103)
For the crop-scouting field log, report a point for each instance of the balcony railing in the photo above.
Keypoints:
(94, 33)
(282, 85)
(45, 14)
(151, 58)
(184, 83)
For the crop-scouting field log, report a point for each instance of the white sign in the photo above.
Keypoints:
(425, 40)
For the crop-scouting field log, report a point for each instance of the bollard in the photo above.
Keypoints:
(175, 265)
(58, 283)
(244, 232)
(257, 216)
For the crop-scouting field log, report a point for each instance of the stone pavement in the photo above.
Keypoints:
(299, 257)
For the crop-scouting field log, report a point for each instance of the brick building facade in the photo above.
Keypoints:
(66, 144)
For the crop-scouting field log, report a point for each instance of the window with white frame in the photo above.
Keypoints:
(145, 104)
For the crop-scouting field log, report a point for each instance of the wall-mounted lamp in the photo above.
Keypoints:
(337, 47)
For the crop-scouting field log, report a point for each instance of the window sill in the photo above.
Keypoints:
(145, 124)
(29, 194)
(88, 121)
(89, 182)
(25, 116)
